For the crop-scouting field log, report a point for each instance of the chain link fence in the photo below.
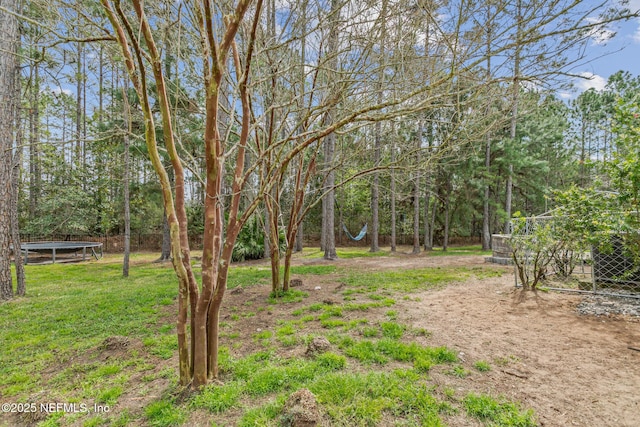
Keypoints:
(607, 264)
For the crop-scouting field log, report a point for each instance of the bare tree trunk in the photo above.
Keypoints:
(392, 189)
(165, 251)
(323, 226)
(428, 226)
(8, 59)
(330, 146)
(514, 115)
(299, 237)
(267, 233)
(486, 232)
(427, 206)
(34, 140)
(100, 84)
(375, 191)
(272, 200)
(447, 208)
(508, 200)
(583, 157)
(21, 288)
(432, 222)
(329, 220)
(302, 82)
(340, 222)
(272, 203)
(84, 113)
(416, 193)
(79, 106)
(375, 188)
(125, 182)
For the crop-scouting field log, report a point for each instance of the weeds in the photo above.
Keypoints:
(482, 366)
(164, 413)
(217, 399)
(284, 297)
(392, 330)
(458, 371)
(499, 412)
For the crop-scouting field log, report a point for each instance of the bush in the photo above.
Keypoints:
(250, 242)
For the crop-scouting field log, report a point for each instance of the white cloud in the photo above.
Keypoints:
(591, 80)
(600, 34)
(636, 35)
(565, 95)
(633, 5)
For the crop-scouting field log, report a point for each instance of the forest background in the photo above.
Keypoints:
(70, 148)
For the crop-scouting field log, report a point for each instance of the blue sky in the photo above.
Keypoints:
(605, 56)
(622, 52)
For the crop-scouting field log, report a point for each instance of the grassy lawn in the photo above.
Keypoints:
(363, 252)
(459, 250)
(85, 336)
(346, 253)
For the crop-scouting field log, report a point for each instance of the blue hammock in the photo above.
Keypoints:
(360, 235)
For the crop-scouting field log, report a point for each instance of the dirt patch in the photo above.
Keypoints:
(572, 370)
(317, 345)
(301, 410)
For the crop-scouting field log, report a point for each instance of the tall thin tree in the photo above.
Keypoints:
(377, 136)
(8, 30)
(328, 202)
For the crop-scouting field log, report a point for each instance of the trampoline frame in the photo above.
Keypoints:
(54, 248)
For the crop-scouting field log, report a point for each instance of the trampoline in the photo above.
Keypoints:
(60, 251)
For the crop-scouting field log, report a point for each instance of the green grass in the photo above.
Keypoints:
(458, 371)
(249, 276)
(499, 413)
(313, 269)
(370, 332)
(71, 308)
(286, 335)
(482, 366)
(331, 361)
(392, 330)
(264, 415)
(284, 297)
(346, 253)
(386, 349)
(164, 413)
(361, 399)
(217, 399)
(110, 395)
(244, 276)
(411, 280)
(163, 346)
(459, 250)
(333, 323)
(263, 335)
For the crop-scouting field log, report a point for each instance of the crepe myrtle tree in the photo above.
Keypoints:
(234, 151)
(199, 304)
